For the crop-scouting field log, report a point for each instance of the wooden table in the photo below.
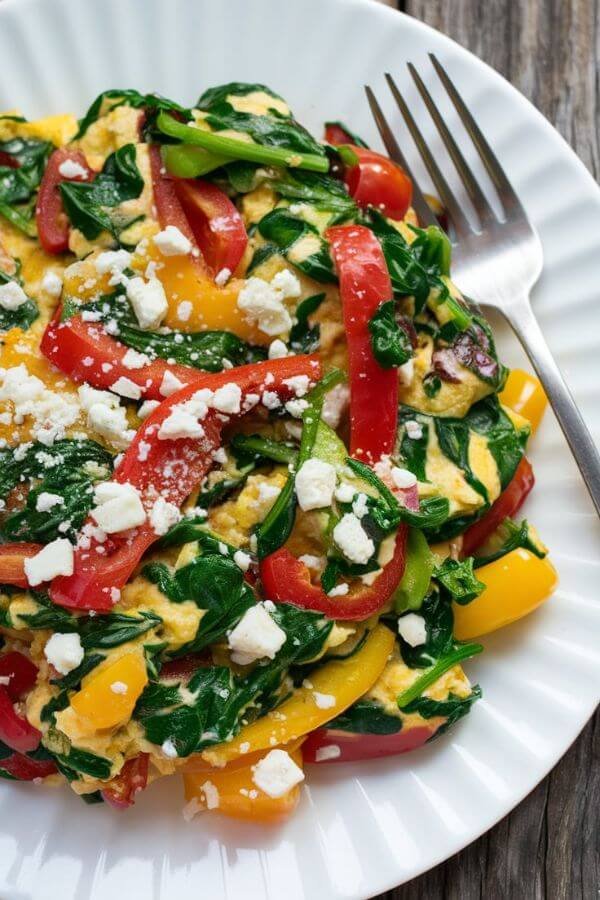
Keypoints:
(549, 846)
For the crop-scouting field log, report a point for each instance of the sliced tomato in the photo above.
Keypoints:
(9, 161)
(215, 221)
(24, 768)
(52, 222)
(15, 731)
(12, 563)
(171, 469)
(336, 134)
(20, 671)
(353, 747)
(377, 181)
(185, 667)
(133, 778)
(507, 505)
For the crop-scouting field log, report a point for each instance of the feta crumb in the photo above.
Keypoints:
(413, 430)
(211, 794)
(172, 242)
(54, 559)
(118, 507)
(184, 310)
(412, 629)
(406, 372)
(296, 408)
(270, 400)
(222, 277)
(135, 360)
(126, 388)
(353, 540)
(255, 636)
(286, 282)
(331, 751)
(345, 493)
(263, 304)
(119, 687)
(111, 424)
(335, 405)
(277, 349)
(147, 407)
(72, 169)
(148, 301)
(315, 484)
(64, 652)
(276, 773)
(170, 384)
(242, 560)
(112, 262)
(402, 478)
(52, 284)
(299, 384)
(180, 424)
(45, 501)
(340, 590)
(360, 506)
(163, 516)
(169, 749)
(316, 563)
(227, 399)
(324, 701)
(191, 809)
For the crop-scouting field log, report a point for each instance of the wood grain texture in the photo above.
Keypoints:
(549, 846)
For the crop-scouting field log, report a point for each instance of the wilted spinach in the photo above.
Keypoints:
(23, 315)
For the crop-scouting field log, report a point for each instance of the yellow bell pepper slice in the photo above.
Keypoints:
(524, 394)
(237, 794)
(515, 585)
(109, 697)
(344, 680)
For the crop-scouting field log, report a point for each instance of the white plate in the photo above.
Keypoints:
(360, 828)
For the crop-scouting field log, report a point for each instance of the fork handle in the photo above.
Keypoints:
(520, 316)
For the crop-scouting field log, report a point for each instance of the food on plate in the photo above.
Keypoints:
(260, 464)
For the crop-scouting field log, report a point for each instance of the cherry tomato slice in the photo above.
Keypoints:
(51, 220)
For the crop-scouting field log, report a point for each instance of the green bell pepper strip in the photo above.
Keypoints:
(439, 668)
(190, 162)
(417, 573)
(232, 149)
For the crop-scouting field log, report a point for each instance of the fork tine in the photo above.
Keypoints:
(457, 216)
(505, 189)
(420, 205)
(478, 198)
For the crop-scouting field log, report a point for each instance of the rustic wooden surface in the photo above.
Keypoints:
(549, 847)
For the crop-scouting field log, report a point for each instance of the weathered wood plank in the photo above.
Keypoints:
(549, 847)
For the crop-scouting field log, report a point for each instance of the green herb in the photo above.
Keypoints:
(304, 337)
(92, 206)
(48, 616)
(459, 580)
(19, 185)
(261, 255)
(292, 234)
(431, 675)
(366, 717)
(262, 448)
(23, 315)
(452, 708)
(109, 100)
(390, 344)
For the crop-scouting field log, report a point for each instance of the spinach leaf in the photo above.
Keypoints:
(114, 629)
(508, 537)
(92, 206)
(304, 337)
(391, 344)
(37, 460)
(455, 655)
(301, 244)
(20, 181)
(109, 100)
(23, 315)
(454, 436)
(28, 524)
(366, 717)
(48, 615)
(459, 580)
(77, 762)
(261, 255)
(414, 450)
(73, 678)
(321, 191)
(260, 448)
(506, 443)
(436, 609)
(452, 709)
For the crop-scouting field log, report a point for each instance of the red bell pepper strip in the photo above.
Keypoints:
(12, 563)
(15, 731)
(508, 503)
(52, 222)
(24, 768)
(353, 746)
(215, 221)
(88, 354)
(20, 671)
(364, 286)
(171, 469)
(377, 181)
(7, 160)
(132, 779)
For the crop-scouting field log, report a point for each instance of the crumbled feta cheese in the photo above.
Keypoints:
(184, 310)
(412, 629)
(270, 400)
(52, 284)
(413, 430)
(316, 563)
(315, 484)
(227, 399)
(89, 396)
(255, 636)
(147, 407)
(148, 300)
(163, 516)
(276, 773)
(126, 388)
(222, 277)
(64, 652)
(296, 408)
(263, 304)
(69, 168)
(277, 349)
(340, 590)
(51, 413)
(331, 751)
(402, 478)
(353, 540)
(242, 560)
(135, 360)
(172, 242)
(46, 501)
(345, 492)
(170, 384)
(112, 262)
(360, 506)
(180, 424)
(169, 749)
(299, 384)
(54, 559)
(111, 424)
(211, 795)
(286, 282)
(118, 507)
(119, 687)
(335, 404)
(324, 701)
(406, 372)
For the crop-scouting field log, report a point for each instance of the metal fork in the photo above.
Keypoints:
(497, 263)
